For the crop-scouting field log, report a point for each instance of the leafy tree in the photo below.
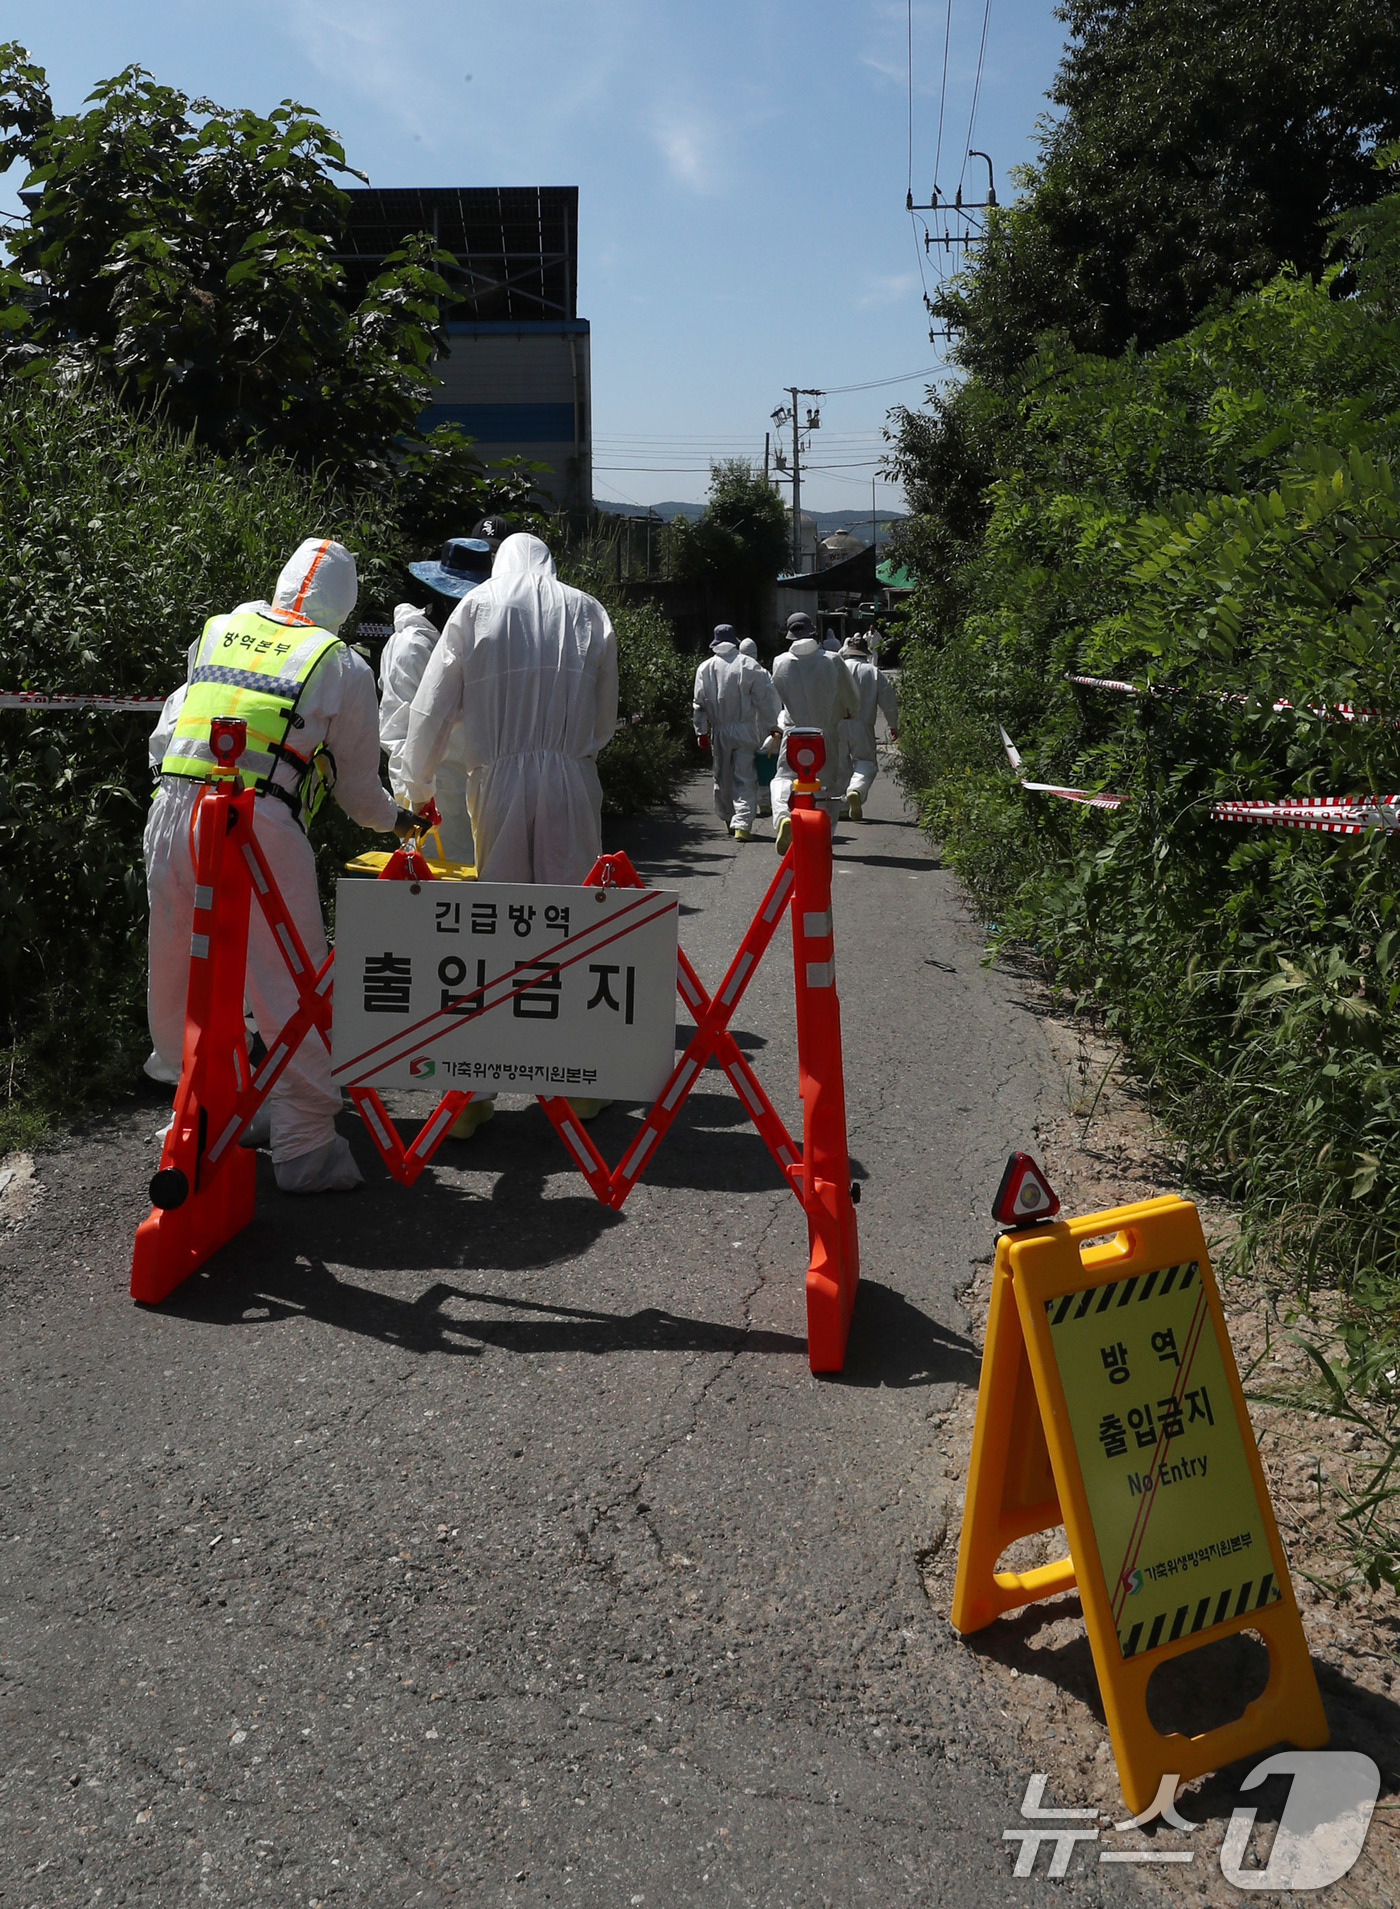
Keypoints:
(442, 488)
(187, 251)
(739, 544)
(1201, 146)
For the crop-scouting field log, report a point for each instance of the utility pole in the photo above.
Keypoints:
(796, 486)
(767, 439)
(783, 415)
(964, 230)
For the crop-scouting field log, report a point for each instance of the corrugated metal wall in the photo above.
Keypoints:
(524, 391)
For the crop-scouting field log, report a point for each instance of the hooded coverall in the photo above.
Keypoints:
(817, 693)
(401, 665)
(858, 764)
(527, 667)
(337, 708)
(736, 705)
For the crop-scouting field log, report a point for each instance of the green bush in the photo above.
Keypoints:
(649, 757)
(117, 540)
(1219, 518)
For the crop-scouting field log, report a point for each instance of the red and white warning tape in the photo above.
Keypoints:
(1329, 815)
(1091, 798)
(1325, 814)
(35, 699)
(1342, 712)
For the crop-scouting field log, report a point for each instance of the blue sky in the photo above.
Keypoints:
(742, 171)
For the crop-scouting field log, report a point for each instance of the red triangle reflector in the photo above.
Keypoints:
(1025, 1195)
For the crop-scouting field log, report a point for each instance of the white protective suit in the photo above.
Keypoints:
(858, 766)
(527, 667)
(338, 707)
(817, 692)
(402, 662)
(736, 705)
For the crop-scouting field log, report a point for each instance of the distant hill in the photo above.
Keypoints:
(826, 520)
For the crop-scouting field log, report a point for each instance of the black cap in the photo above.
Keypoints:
(494, 531)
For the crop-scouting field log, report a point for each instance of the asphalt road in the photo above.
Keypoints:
(470, 1544)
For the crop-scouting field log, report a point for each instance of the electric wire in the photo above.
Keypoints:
(976, 89)
(943, 93)
(909, 61)
(905, 377)
(915, 221)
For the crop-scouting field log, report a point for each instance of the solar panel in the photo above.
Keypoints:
(517, 246)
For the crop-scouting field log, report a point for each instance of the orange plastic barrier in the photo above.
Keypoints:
(203, 1192)
(834, 1270)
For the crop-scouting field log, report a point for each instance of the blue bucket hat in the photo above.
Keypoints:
(724, 633)
(466, 562)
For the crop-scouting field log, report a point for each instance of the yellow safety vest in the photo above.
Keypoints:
(255, 664)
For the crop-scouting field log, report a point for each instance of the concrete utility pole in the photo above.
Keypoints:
(796, 485)
(782, 416)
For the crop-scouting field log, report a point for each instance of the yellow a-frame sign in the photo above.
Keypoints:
(1109, 1402)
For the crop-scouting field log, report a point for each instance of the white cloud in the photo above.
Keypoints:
(887, 290)
(689, 146)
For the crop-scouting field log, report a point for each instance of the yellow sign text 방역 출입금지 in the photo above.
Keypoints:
(1176, 1517)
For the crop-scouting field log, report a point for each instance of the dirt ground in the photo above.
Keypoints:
(1105, 1149)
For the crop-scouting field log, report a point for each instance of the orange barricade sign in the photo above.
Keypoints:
(203, 1192)
(1109, 1402)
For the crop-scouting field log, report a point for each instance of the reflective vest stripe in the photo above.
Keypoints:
(255, 762)
(246, 679)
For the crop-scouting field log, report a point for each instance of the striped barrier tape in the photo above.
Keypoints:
(1344, 712)
(36, 699)
(1329, 815)
(1091, 798)
(1324, 814)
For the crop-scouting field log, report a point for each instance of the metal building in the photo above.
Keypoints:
(516, 377)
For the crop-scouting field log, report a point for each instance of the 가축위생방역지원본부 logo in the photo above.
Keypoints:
(1320, 1834)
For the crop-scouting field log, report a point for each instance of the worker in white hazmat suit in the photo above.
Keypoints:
(465, 565)
(857, 765)
(527, 667)
(736, 707)
(817, 692)
(312, 720)
(765, 758)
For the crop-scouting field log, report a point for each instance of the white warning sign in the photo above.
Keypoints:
(489, 986)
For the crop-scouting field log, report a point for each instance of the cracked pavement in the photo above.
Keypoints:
(472, 1544)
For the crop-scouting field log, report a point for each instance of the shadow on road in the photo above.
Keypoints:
(712, 1147)
(673, 845)
(924, 864)
(893, 1343)
(308, 1289)
(1194, 1693)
